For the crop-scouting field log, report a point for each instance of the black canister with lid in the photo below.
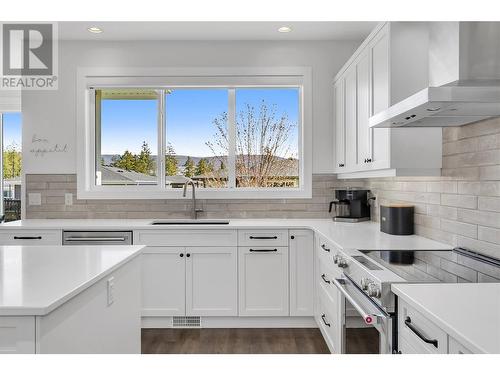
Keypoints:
(397, 219)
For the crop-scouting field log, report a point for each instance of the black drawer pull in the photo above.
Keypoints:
(325, 279)
(325, 248)
(27, 237)
(421, 336)
(263, 238)
(263, 250)
(324, 321)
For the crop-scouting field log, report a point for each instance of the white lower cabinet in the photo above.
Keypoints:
(17, 334)
(419, 335)
(163, 281)
(211, 281)
(200, 281)
(263, 281)
(301, 272)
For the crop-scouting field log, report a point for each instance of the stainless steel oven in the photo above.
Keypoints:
(362, 313)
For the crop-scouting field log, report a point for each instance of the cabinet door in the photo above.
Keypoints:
(363, 110)
(163, 281)
(263, 281)
(380, 98)
(339, 124)
(301, 272)
(350, 119)
(17, 335)
(212, 281)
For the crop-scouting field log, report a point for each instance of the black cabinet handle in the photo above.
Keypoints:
(325, 248)
(420, 335)
(325, 279)
(188, 255)
(292, 237)
(324, 321)
(27, 237)
(263, 250)
(181, 255)
(263, 238)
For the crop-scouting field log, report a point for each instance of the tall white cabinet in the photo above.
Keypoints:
(381, 72)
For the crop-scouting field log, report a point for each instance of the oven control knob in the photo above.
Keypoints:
(336, 258)
(373, 290)
(341, 262)
(365, 281)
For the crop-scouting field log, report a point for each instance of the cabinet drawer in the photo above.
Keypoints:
(405, 348)
(423, 329)
(329, 319)
(454, 347)
(262, 237)
(25, 237)
(326, 251)
(185, 237)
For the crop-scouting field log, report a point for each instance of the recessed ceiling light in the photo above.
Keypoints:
(95, 30)
(285, 29)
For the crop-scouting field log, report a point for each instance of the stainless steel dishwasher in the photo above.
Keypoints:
(89, 238)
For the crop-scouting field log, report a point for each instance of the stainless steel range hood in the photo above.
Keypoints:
(464, 79)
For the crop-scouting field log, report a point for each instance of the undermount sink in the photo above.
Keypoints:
(190, 222)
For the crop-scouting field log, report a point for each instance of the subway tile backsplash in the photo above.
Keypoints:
(53, 187)
(461, 208)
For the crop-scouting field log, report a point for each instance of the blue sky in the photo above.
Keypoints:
(12, 130)
(190, 112)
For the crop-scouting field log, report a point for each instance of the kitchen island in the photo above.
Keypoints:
(80, 299)
(453, 318)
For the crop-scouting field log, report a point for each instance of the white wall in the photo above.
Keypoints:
(50, 116)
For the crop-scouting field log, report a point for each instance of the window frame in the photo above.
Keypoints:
(89, 79)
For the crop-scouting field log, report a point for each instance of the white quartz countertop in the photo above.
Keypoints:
(35, 280)
(364, 235)
(470, 313)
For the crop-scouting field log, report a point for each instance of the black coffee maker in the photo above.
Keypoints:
(351, 205)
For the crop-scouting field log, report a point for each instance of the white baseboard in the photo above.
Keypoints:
(238, 322)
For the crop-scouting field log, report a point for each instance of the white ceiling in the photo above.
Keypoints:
(116, 31)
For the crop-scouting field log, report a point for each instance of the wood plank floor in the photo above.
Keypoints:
(233, 341)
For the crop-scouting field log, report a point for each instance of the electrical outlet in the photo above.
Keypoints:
(34, 199)
(68, 199)
(111, 290)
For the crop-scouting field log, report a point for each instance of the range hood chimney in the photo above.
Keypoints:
(463, 83)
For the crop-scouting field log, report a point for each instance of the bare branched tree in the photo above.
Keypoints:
(264, 154)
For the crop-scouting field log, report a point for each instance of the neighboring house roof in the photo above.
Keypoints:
(114, 174)
(119, 175)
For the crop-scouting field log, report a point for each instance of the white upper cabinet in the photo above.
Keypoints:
(384, 70)
(339, 96)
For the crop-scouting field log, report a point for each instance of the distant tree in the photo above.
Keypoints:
(222, 166)
(189, 167)
(144, 162)
(171, 167)
(203, 167)
(127, 161)
(12, 161)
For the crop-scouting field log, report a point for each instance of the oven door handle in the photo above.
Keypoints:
(369, 318)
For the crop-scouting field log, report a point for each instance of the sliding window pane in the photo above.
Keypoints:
(12, 163)
(126, 136)
(267, 137)
(197, 137)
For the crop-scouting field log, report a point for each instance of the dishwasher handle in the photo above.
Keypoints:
(94, 239)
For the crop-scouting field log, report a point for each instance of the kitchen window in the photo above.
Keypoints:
(232, 140)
